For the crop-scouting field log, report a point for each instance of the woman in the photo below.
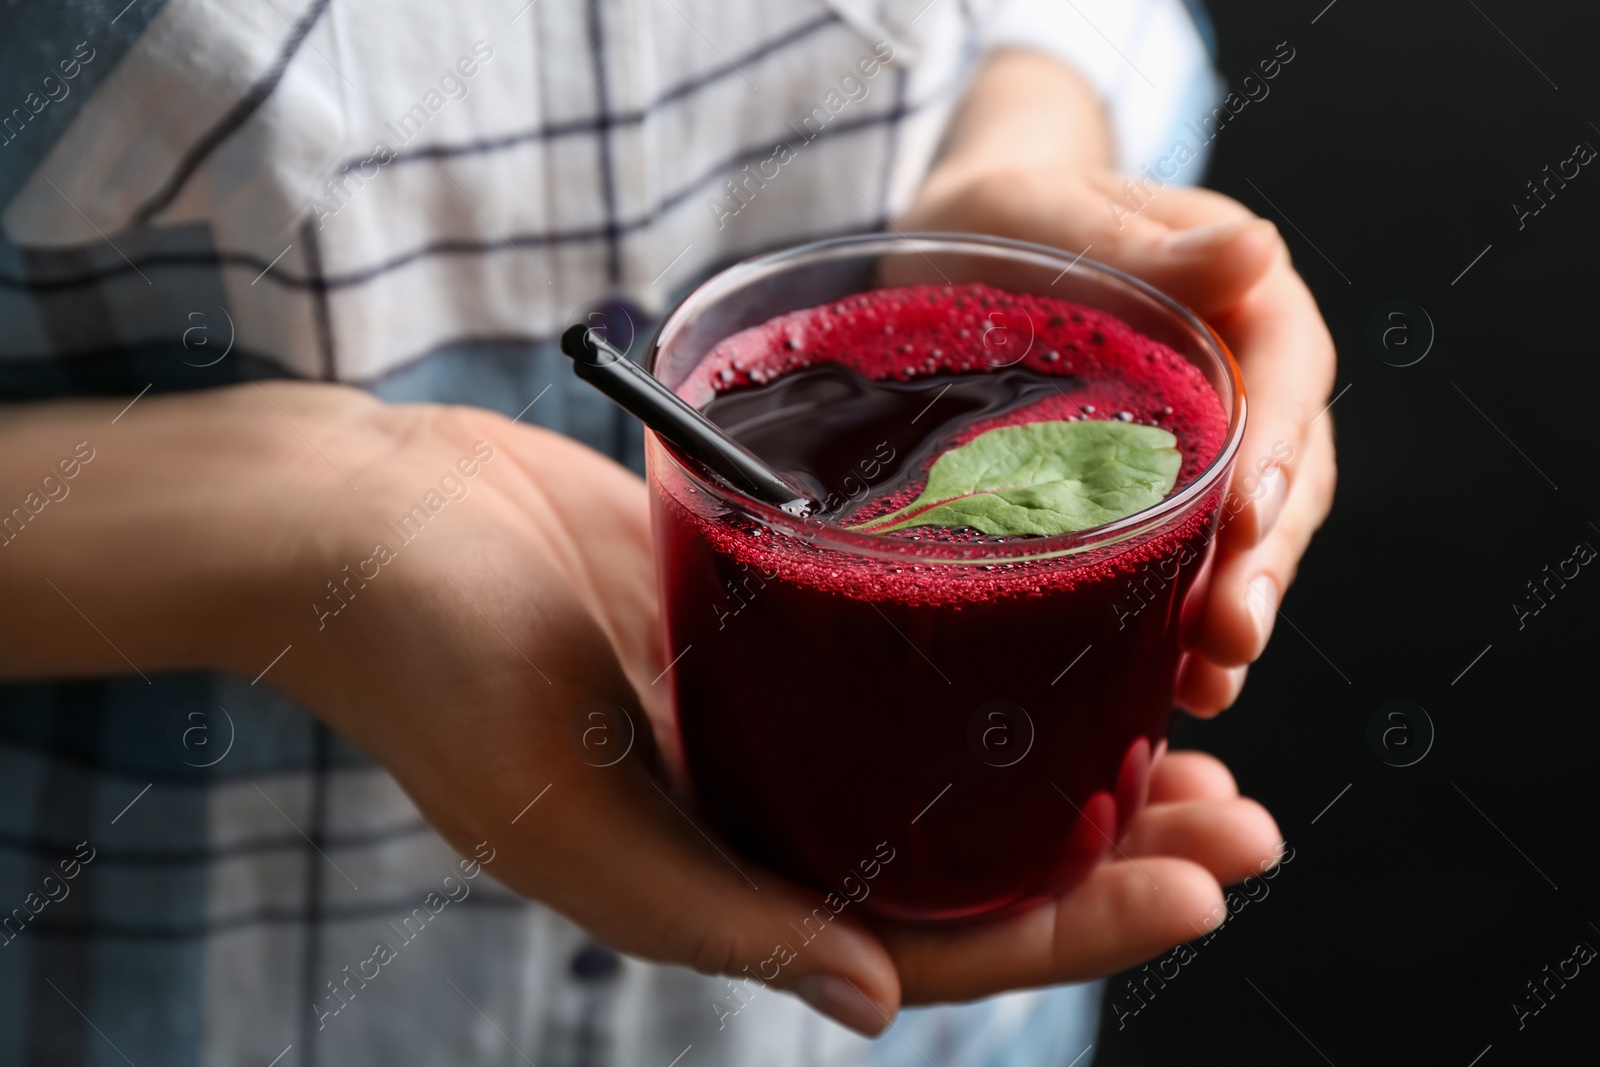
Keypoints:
(254, 255)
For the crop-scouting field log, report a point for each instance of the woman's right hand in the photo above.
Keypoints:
(510, 606)
(457, 594)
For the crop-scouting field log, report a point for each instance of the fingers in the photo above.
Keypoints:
(1209, 268)
(1203, 249)
(1287, 358)
(1247, 587)
(1196, 835)
(1206, 250)
(1186, 776)
(1213, 254)
(1191, 207)
(1229, 838)
(1242, 606)
(1205, 689)
(1122, 913)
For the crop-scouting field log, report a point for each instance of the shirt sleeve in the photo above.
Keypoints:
(1147, 59)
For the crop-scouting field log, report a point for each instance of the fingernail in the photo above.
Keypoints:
(842, 1002)
(1263, 603)
(1207, 237)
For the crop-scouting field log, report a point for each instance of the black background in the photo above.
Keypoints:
(1397, 141)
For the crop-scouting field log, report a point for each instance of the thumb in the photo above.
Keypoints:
(656, 884)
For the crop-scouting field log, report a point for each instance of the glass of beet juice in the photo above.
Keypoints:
(930, 719)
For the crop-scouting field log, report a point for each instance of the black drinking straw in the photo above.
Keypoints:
(641, 395)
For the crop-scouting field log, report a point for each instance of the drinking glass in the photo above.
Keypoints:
(918, 756)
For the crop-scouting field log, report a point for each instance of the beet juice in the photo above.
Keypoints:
(985, 709)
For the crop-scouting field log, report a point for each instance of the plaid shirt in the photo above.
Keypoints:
(414, 197)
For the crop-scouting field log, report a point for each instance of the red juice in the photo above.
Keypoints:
(994, 719)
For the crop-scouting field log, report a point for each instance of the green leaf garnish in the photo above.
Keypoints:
(1043, 478)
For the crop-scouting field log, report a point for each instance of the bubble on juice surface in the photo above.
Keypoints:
(1118, 373)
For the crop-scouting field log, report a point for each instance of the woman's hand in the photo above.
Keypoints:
(1050, 186)
(471, 601)
(473, 672)
(1027, 158)
(463, 615)
(511, 604)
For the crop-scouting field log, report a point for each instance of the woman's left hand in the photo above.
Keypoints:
(1232, 268)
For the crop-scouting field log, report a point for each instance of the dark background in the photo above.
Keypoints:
(1397, 141)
